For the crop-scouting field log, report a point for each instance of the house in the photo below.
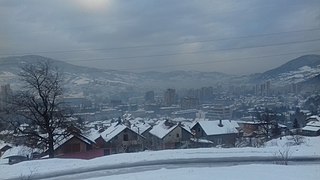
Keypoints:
(76, 146)
(168, 135)
(17, 154)
(4, 147)
(220, 132)
(249, 128)
(118, 138)
(311, 129)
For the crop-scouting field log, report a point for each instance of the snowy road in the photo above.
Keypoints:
(167, 164)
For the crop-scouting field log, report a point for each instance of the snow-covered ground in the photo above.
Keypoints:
(243, 172)
(310, 148)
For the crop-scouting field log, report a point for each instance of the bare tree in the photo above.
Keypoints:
(283, 155)
(268, 124)
(297, 139)
(40, 105)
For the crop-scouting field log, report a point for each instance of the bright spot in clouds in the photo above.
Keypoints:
(93, 5)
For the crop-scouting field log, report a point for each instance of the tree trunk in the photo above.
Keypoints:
(51, 147)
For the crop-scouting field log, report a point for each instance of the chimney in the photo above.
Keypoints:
(220, 123)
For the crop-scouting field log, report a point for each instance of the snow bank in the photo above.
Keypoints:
(243, 172)
(309, 149)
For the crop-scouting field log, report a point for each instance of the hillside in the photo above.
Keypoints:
(297, 70)
(110, 82)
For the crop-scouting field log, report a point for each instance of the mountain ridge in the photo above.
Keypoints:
(86, 79)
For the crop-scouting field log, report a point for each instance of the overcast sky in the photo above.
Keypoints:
(230, 36)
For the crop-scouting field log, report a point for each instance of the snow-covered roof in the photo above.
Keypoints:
(249, 122)
(213, 128)
(140, 127)
(3, 144)
(112, 131)
(17, 151)
(311, 128)
(63, 139)
(314, 117)
(314, 123)
(161, 130)
(92, 134)
(282, 125)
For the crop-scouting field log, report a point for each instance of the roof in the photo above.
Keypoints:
(314, 123)
(213, 128)
(112, 131)
(92, 134)
(311, 128)
(63, 139)
(3, 144)
(161, 130)
(23, 151)
(140, 127)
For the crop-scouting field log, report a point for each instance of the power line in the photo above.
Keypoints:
(195, 52)
(163, 44)
(217, 61)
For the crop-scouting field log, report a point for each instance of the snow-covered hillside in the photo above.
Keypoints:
(297, 70)
(111, 82)
(302, 74)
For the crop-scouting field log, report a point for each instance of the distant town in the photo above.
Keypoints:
(192, 118)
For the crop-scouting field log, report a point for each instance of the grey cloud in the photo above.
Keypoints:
(63, 25)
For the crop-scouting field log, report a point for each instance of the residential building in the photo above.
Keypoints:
(168, 135)
(149, 97)
(170, 97)
(221, 132)
(217, 112)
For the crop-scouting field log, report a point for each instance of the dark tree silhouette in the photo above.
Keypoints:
(296, 124)
(40, 105)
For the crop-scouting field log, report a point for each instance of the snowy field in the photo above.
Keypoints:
(50, 167)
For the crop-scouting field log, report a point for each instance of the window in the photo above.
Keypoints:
(178, 135)
(125, 137)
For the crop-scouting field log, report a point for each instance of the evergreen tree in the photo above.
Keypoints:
(296, 124)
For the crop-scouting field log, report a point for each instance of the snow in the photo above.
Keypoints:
(92, 134)
(201, 140)
(308, 149)
(3, 144)
(243, 172)
(17, 151)
(213, 128)
(61, 140)
(112, 131)
(314, 117)
(161, 130)
(82, 81)
(311, 128)
(302, 74)
(314, 123)
(140, 127)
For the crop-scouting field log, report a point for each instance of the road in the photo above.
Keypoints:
(168, 164)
